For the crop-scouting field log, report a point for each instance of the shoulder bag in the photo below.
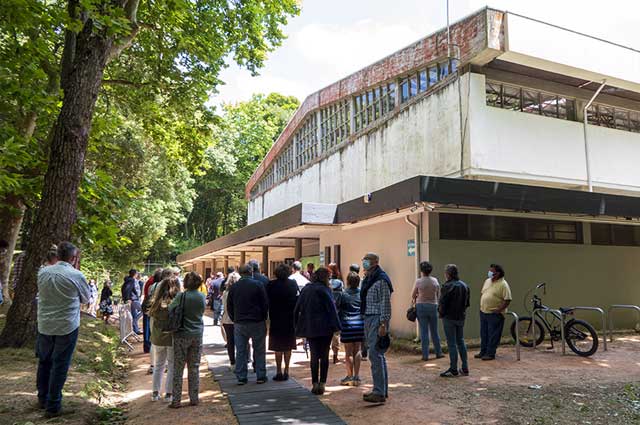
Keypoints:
(176, 316)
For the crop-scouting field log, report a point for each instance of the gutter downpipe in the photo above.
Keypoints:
(586, 140)
(417, 235)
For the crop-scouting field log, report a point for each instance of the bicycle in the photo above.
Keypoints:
(579, 335)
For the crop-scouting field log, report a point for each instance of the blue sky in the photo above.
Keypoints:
(333, 38)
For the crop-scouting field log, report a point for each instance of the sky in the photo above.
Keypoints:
(331, 39)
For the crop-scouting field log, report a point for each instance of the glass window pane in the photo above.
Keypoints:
(530, 101)
(444, 69)
(433, 75)
(511, 98)
(623, 235)
(622, 119)
(510, 229)
(453, 226)
(494, 98)
(404, 91)
(600, 234)
(454, 65)
(566, 109)
(634, 121)
(592, 115)
(392, 96)
(423, 80)
(606, 116)
(481, 227)
(414, 86)
(549, 104)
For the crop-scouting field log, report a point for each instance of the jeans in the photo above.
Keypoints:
(376, 357)
(217, 311)
(54, 358)
(491, 326)
(231, 343)
(162, 356)
(146, 334)
(257, 332)
(428, 321)
(136, 311)
(454, 331)
(186, 350)
(319, 347)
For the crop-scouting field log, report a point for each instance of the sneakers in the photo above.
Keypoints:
(150, 370)
(155, 396)
(261, 380)
(439, 356)
(168, 398)
(346, 381)
(464, 372)
(356, 381)
(486, 357)
(449, 373)
(174, 405)
(478, 355)
(374, 398)
(242, 381)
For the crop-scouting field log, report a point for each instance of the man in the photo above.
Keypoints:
(216, 297)
(248, 306)
(255, 266)
(494, 300)
(130, 293)
(452, 307)
(62, 290)
(297, 275)
(309, 272)
(375, 306)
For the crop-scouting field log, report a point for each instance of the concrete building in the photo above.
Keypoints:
(471, 151)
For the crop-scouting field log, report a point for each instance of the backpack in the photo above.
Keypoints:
(176, 317)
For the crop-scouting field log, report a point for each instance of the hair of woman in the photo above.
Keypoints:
(353, 280)
(322, 275)
(335, 271)
(157, 274)
(426, 268)
(192, 281)
(283, 271)
(165, 292)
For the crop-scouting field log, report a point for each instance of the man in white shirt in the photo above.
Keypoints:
(297, 276)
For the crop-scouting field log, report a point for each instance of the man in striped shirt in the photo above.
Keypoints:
(375, 306)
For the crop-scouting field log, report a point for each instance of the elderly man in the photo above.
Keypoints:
(494, 300)
(257, 275)
(375, 306)
(61, 291)
(247, 306)
(297, 275)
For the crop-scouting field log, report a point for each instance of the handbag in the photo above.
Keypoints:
(176, 317)
(412, 314)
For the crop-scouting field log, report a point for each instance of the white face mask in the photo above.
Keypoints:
(490, 274)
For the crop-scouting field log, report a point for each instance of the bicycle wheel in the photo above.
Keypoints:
(581, 337)
(524, 328)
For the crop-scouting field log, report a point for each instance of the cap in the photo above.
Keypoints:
(371, 256)
(336, 284)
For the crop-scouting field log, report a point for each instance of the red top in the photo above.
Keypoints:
(147, 285)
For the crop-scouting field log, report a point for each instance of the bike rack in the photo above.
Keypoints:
(517, 319)
(619, 306)
(604, 322)
(536, 313)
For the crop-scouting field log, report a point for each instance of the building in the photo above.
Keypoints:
(469, 152)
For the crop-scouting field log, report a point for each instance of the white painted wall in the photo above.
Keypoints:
(423, 139)
(534, 149)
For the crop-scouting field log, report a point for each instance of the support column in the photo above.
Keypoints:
(204, 269)
(214, 265)
(298, 249)
(243, 258)
(265, 260)
(226, 263)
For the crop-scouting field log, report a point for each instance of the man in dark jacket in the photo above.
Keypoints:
(453, 304)
(130, 292)
(255, 268)
(248, 306)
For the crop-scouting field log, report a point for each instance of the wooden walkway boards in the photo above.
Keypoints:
(270, 403)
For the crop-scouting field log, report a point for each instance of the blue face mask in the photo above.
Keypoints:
(490, 274)
(366, 264)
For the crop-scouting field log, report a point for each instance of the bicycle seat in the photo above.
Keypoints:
(565, 310)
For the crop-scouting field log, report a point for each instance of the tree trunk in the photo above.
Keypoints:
(85, 56)
(11, 215)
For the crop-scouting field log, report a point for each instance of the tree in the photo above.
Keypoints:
(187, 40)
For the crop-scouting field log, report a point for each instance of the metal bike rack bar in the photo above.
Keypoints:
(604, 321)
(620, 307)
(517, 319)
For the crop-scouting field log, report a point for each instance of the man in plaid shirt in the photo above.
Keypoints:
(375, 306)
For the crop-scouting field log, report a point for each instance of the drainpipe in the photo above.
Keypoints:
(417, 234)
(586, 140)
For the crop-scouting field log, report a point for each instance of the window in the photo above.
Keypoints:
(284, 162)
(508, 229)
(433, 75)
(404, 90)
(532, 101)
(615, 234)
(335, 124)
(444, 70)
(305, 141)
(266, 182)
(614, 117)
(374, 104)
(423, 80)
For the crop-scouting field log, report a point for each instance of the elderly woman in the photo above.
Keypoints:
(227, 323)
(283, 295)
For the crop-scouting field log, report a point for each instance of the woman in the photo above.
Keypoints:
(93, 298)
(106, 308)
(352, 323)
(426, 293)
(187, 341)
(227, 323)
(283, 295)
(162, 342)
(317, 320)
(335, 281)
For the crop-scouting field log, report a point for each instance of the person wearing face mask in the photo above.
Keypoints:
(494, 299)
(375, 306)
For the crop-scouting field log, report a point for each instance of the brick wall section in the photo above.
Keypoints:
(471, 35)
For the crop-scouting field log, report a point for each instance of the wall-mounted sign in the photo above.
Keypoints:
(411, 248)
(321, 258)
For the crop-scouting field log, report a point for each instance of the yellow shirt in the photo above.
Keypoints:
(203, 289)
(494, 294)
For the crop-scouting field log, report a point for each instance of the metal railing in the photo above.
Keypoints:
(517, 319)
(604, 322)
(619, 307)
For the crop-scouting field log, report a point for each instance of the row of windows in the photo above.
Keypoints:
(619, 118)
(515, 98)
(615, 234)
(508, 229)
(335, 121)
(335, 124)
(373, 104)
(425, 78)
